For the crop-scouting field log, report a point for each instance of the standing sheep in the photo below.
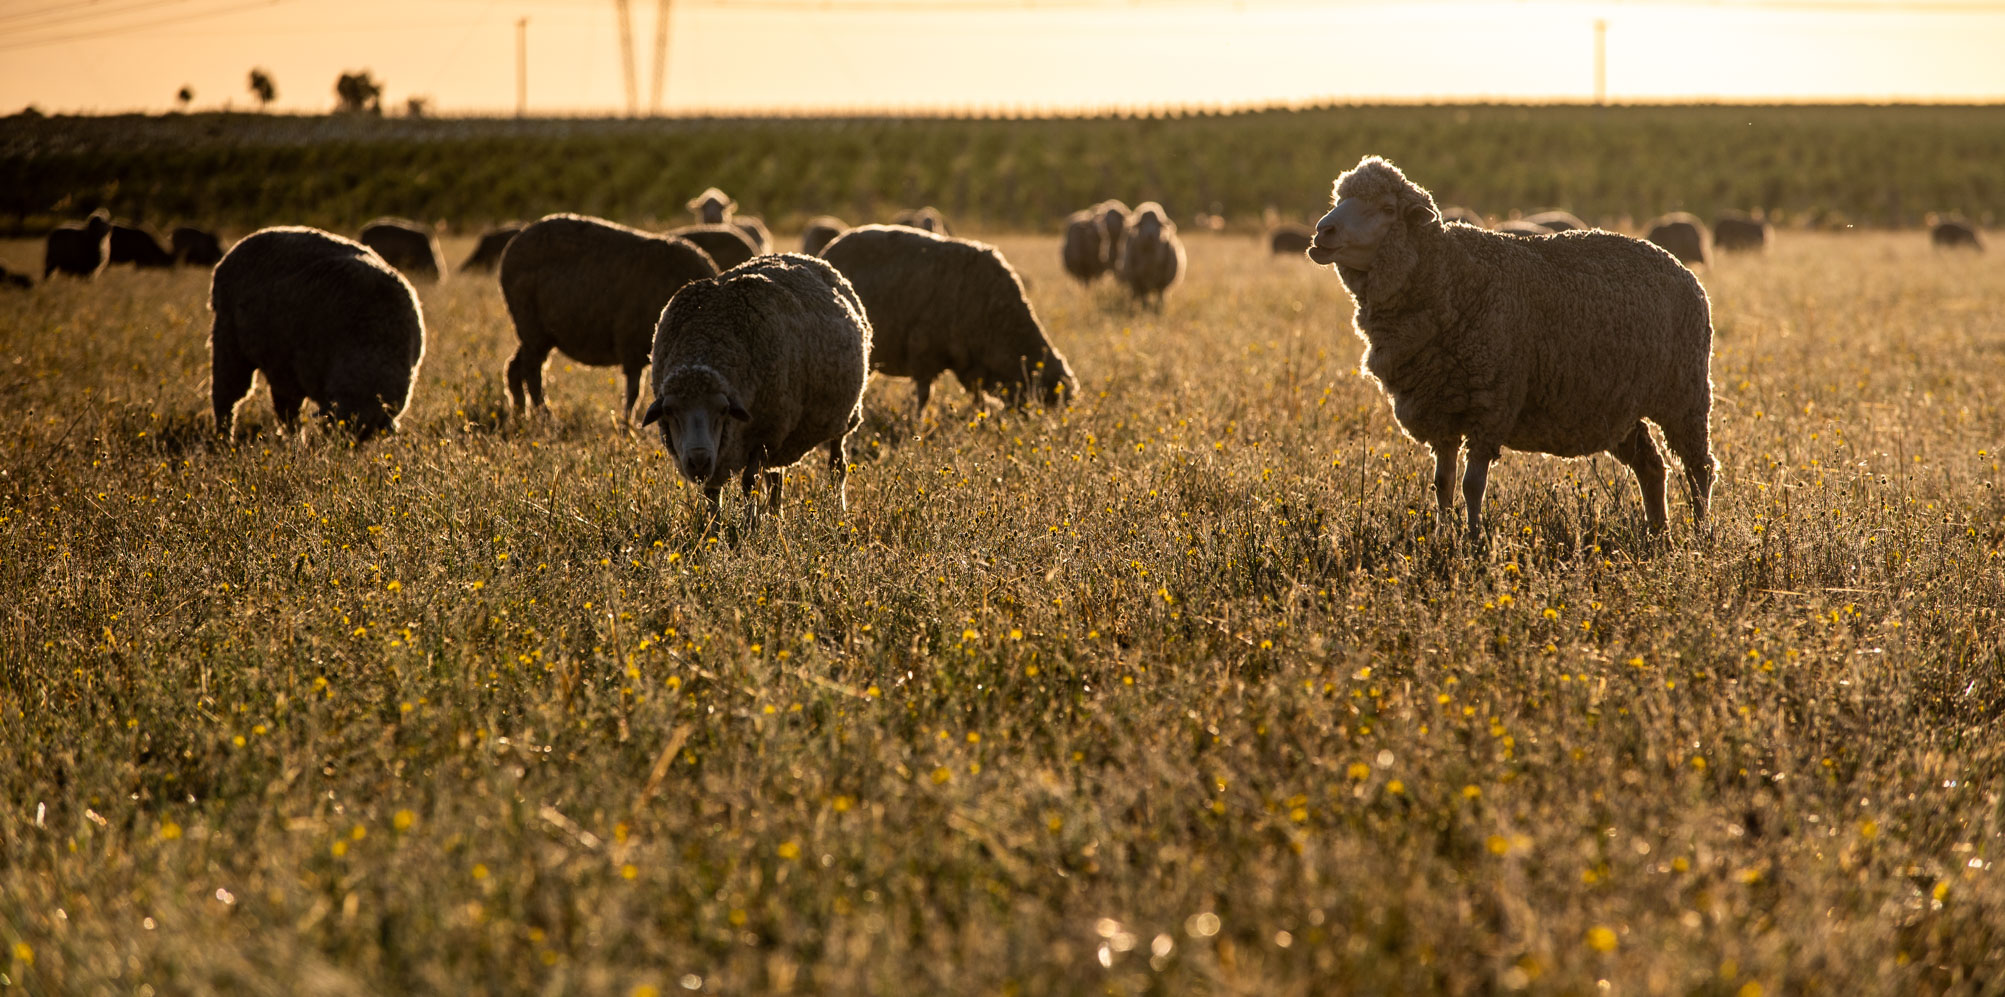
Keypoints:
(406, 245)
(1681, 234)
(938, 304)
(1740, 232)
(1559, 345)
(195, 247)
(486, 255)
(325, 319)
(137, 246)
(928, 218)
(728, 245)
(78, 250)
(1290, 240)
(1083, 249)
(1152, 257)
(712, 207)
(1558, 221)
(1113, 216)
(1953, 232)
(592, 289)
(821, 230)
(756, 367)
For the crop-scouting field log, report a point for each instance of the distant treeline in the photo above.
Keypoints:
(1809, 165)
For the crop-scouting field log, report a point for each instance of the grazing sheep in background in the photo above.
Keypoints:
(712, 207)
(486, 255)
(1457, 213)
(78, 250)
(1519, 226)
(195, 247)
(325, 319)
(1152, 257)
(14, 279)
(1740, 232)
(755, 231)
(406, 245)
(938, 304)
(1953, 232)
(928, 218)
(137, 246)
(1083, 249)
(593, 289)
(1114, 224)
(1560, 345)
(1558, 221)
(1290, 240)
(756, 367)
(1683, 235)
(728, 245)
(821, 230)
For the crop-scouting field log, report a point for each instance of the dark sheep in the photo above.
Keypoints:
(138, 247)
(1113, 216)
(1083, 248)
(821, 230)
(1953, 232)
(1739, 232)
(727, 244)
(755, 230)
(1290, 240)
(593, 289)
(325, 319)
(1681, 234)
(78, 250)
(928, 218)
(486, 255)
(195, 247)
(406, 245)
(940, 304)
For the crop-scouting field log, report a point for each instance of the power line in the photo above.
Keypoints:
(106, 32)
(58, 16)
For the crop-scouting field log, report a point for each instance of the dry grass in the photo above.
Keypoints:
(1175, 693)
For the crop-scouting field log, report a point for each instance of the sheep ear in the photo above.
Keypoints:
(1423, 214)
(653, 413)
(735, 410)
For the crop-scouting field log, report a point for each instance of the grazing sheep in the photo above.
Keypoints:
(195, 247)
(486, 255)
(1558, 345)
(941, 304)
(821, 230)
(11, 278)
(78, 250)
(727, 244)
(406, 245)
(755, 231)
(1457, 213)
(712, 207)
(1083, 249)
(1558, 221)
(1519, 226)
(1114, 223)
(1953, 232)
(592, 289)
(1740, 232)
(1152, 257)
(1290, 240)
(138, 247)
(1683, 235)
(756, 367)
(325, 319)
(928, 218)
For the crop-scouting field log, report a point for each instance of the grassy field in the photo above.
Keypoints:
(1175, 691)
(1817, 165)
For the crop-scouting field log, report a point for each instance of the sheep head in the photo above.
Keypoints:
(1054, 380)
(694, 405)
(1373, 232)
(712, 206)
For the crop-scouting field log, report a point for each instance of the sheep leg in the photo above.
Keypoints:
(525, 373)
(1640, 452)
(287, 400)
(838, 468)
(633, 395)
(773, 492)
(1474, 479)
(924, 391)
(1691, 441)
(229, 379)
(1445, 453)
(713, 499)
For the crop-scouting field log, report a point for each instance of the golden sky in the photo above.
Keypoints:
(1034, 55)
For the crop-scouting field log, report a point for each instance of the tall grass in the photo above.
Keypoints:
(1173, 691)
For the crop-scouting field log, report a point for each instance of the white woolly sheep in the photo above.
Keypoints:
(1152, 256)
(1740, 232)
(940, 304)
(593, 289)
(324, 319)
(821, 230)
(1682, 235)
(756, 367)
(1560, 345)
(727, 244)
(78, 250)
(1113, 216)
(1953, 232)
(406, 245)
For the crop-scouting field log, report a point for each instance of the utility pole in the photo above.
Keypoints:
(627, 55)
(521, 67)
(660, 58)
(1600, 62)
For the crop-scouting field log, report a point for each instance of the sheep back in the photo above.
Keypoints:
(130, 244)
(940, 304)
(324, 319)
(1681, 234)
(1739, 232)
(78, 250)
(1457, 213)
(406, 245)
(486, 255)
(1290, 240)
(784, 335)
(195, 246)
(13, 279)
(821, 230)
(1953, 233)
(1558, 221)
(1152, 255)
(1522, 227)
(593, 288)
(728, 245)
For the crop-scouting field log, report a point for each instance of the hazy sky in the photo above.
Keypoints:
(116, 55)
